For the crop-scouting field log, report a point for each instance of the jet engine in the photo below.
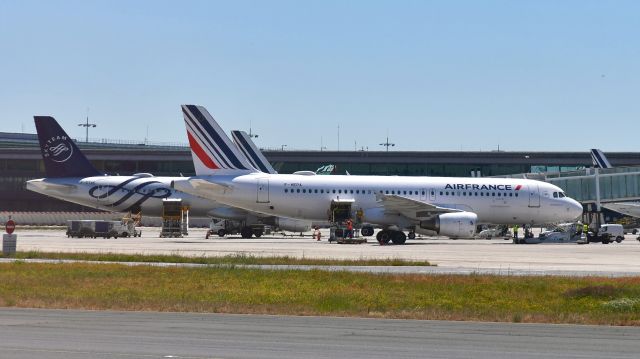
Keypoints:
(454, 225)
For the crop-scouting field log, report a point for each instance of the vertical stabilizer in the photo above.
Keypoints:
(251, 152)
(599, 159)
(211, 149)
(61, 156)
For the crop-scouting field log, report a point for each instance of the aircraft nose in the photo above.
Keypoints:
(575, 208)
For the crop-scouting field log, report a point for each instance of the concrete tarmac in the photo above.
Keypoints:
(463, 256)
(57, 334)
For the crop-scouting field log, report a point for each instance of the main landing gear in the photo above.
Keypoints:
(397, 237)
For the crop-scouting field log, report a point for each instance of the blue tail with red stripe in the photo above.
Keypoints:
(211, 149)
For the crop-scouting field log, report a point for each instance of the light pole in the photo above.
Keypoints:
(387, 144)
(251, 135)
(86, 126)
(282, 147)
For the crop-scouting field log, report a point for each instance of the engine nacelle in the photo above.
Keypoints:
(292, 225)
(454, 225)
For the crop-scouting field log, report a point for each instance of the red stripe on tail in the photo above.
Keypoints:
(195, 147)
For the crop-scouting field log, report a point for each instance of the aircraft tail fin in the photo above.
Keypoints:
(211, 149)
(251, 152)
(599, 159)
(61, 156)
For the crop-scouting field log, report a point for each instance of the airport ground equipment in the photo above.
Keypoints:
(175, 218)
(495, 232)
(91, 228)
(223, 227)
(562, 233)
(339, 234)
(607, 233)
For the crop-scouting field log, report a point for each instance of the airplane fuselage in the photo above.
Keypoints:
(121, 193)
(498, 201)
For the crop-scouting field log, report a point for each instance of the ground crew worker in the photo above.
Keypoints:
(359, 215)
(515, 231)
(316, 233)
(585, 228)
(349, 224)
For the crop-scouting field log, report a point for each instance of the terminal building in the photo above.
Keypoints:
(20, 160)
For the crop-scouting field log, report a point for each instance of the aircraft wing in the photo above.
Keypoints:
(410, 208)
(199, 186)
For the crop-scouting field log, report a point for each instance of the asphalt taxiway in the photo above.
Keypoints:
(458, 256)
(68, 334)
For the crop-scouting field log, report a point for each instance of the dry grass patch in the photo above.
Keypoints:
(237, 290)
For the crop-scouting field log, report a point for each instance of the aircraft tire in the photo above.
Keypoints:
(384, 237)
(398, 237)
(412, 235)
(366, 231)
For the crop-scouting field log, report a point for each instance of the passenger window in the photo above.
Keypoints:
(481, 194)
(304, 191)
(334, 191)
(464, 193)
(510, 194)
(351, 191)
(476, 194)
(493, 194)
(499, 194)
(315, 190)
(286, 190)
(441, 193)
(423, 193)
(404, 192)
(393, 192)
(298, 190)
(321, 191)
(447, 193)
(339, 191)
(357, 191)
(386, 191)
(516, 195)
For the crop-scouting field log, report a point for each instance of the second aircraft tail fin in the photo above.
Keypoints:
(251, 152)
(211, 149)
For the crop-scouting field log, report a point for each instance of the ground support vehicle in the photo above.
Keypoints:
(607, 233)
(90, 228)
(175, 218)
(223, 227)
(340, 234)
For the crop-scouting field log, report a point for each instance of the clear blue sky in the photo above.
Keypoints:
(437, 75)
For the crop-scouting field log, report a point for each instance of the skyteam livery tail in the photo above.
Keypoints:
(251, 152)
(211, 149)
(61, 156)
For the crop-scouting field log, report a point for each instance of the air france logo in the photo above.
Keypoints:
(499, 187)
(58, 149)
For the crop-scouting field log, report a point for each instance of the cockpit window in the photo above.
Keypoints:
(561, 194)
(555, 194)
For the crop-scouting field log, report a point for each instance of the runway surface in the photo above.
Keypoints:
(57, 334)
(451, 256)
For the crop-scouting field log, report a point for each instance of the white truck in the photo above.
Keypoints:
(607, 233)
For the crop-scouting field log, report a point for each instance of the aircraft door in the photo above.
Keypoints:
(423, 194)
(534, 196)
(263, 190)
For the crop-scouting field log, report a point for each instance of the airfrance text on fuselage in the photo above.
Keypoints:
(499, 187)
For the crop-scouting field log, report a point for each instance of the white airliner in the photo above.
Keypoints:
(72, 178)
(447, 206)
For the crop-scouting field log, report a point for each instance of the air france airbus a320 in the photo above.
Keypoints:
(448, 206)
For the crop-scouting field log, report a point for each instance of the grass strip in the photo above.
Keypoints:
(613, 301)
(230, 259)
